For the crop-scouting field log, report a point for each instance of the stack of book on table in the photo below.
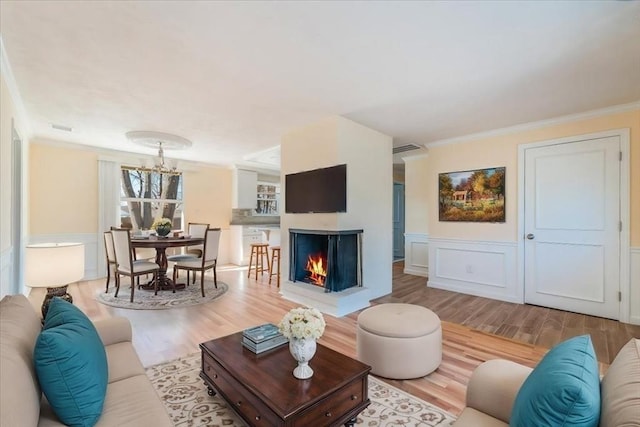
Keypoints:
(262, 338)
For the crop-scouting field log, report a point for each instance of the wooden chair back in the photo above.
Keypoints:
(108, 248)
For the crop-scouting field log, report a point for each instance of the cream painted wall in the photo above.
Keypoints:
(481, 259)
(63, 190)
(306, 148)
(369, 159)
(368, 155)
(503, 151)
(207, 196)
(416, 177)
(70, 180)
(63, 195)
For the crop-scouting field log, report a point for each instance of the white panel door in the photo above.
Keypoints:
(572, 214)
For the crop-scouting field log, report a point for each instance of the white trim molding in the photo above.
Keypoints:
(634, 288)
(6, 282)
(482, 268)
(91, 254)
(416, 254)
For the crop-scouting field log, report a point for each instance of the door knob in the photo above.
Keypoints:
(530, 236)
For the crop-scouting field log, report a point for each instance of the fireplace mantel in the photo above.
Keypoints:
(325, 232)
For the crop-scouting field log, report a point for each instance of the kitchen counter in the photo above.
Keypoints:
(271, 233)
(243, 234)
(267, 221)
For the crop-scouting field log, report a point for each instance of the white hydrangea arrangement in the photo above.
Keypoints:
(302, 322)
(161, 222)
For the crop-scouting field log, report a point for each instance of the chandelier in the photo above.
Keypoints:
(160, 166)
(162, 141)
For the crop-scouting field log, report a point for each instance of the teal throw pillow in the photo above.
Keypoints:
(71, 365)
(563, 390)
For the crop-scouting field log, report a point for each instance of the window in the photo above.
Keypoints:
(146, 194)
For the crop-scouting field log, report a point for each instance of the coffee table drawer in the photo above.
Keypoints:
(327, 411)
(238, 397)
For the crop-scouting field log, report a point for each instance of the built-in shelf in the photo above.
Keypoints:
(267, 198)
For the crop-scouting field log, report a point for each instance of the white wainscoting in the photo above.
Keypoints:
(482, 268)
(92, 256)
(6, 282)
(634, 294)
(416, 254)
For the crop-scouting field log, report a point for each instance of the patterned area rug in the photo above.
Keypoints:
(146, 300)
(185, 397)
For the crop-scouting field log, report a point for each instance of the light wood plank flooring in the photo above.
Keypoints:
(527, 323)
(161, 335)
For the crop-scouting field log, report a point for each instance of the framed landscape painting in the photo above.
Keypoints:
(472, 196)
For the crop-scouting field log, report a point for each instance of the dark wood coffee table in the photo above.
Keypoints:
(264, 392)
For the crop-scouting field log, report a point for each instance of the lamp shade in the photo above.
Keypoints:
(54, 264)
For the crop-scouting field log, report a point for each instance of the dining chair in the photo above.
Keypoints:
(197, 230)
(207, 261)
(146, 254)
(110, 256)
(126, 265)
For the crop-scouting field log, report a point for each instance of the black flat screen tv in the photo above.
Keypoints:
(316, 191)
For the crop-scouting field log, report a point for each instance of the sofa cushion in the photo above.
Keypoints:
(71, 365)
(123, 362)
(620, 388)
(131, 402)
(563, 390)
(19, 390)
(474, 418)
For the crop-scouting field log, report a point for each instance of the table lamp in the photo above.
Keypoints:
(54, 266)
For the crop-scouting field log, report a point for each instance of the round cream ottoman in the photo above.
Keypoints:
(399, 341)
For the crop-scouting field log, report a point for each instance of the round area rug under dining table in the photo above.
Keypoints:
(146, 300)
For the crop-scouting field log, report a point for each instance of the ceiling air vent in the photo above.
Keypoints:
(61, 127)
(406, 147)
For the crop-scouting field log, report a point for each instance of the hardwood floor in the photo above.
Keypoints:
(161, 335)
(527, 323)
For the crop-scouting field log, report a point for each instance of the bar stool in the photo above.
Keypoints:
(275, 258)
(260, 250)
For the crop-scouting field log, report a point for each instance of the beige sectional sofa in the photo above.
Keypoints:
(130, 400)
(494, 385)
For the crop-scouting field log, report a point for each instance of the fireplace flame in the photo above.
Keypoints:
(316, 267)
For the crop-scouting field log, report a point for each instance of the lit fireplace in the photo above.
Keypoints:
(329, 259)
(316, 268)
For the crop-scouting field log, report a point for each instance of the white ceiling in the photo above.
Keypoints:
(233, 77)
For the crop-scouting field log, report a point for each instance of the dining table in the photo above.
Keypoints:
(160, 244)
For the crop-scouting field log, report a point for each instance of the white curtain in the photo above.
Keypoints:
(109, 205)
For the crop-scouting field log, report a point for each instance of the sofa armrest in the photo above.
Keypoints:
(494, 385)
(114, 330)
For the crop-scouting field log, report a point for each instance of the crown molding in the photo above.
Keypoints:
(14, 93)
(538, 124)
